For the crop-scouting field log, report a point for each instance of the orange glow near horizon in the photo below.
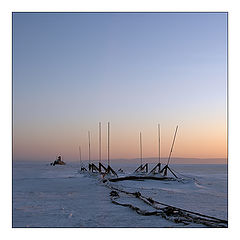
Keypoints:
(191, 142)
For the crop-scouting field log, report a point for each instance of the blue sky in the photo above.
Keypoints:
(71, 71)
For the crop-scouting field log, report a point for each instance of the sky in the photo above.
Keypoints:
(134, 70)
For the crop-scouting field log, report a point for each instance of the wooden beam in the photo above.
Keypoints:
(172, 145)
(100, 143)
(138, 169)
(108, 153)
(158, 166)
(102, 166)
(172, 172)
(139, 178)
(140, 147)
(95, 168)
(109, 171)
(89, 148)
(142, 167)
(89, 167)
(159, 144)
(164, 170)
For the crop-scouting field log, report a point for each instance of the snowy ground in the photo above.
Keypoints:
(47, 196)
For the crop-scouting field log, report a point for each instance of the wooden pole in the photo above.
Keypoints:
(108, 143)
(159, 143)
(80, 157)
(141, 147)
(172, 145)
(89, 148)
(100, 144)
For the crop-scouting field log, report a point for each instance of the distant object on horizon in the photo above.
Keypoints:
(58, 161)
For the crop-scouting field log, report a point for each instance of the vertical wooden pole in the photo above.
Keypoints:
(141, 147)
(108, 143)
(80, 157)
(89, 148)
(159, 143)
(100, 143)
